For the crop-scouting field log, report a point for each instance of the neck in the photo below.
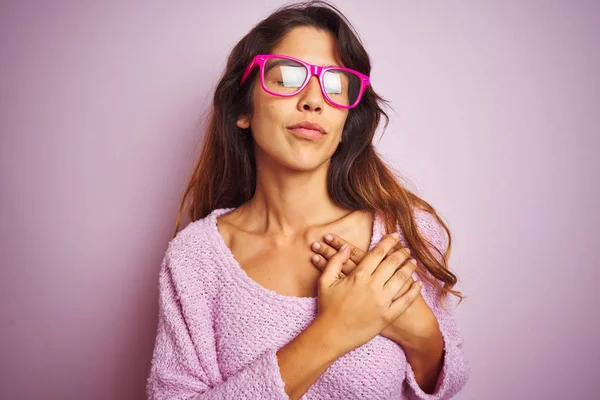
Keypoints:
(287, 203)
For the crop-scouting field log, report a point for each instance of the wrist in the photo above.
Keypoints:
(415, 339)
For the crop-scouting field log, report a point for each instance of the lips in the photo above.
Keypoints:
(306, 133)
(307, 127)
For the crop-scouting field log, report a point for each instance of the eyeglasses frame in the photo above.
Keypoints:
(313, 70)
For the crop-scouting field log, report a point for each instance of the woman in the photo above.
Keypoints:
(289, 282)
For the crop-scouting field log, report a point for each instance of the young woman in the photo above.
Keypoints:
(308, 271)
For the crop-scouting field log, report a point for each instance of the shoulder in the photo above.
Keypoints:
(191, 240)
(194, 250)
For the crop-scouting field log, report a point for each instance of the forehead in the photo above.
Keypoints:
(311, 45)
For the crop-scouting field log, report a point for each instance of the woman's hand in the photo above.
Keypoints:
(359, 306)
(418, 321)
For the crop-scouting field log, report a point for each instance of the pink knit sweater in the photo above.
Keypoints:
(219, 331)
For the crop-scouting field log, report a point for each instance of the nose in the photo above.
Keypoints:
(311, 98)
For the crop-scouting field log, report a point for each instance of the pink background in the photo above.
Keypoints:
(496, 124)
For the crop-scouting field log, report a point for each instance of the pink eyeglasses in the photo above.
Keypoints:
(286, 76)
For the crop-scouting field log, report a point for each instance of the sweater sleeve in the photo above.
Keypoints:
(455, 371)
(186, 368)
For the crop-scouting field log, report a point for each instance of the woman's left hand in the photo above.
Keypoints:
(416, 323)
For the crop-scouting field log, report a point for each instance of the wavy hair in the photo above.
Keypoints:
(224, 176)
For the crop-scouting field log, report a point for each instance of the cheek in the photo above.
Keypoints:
(267, 120)
(267, 110)
(340, 121)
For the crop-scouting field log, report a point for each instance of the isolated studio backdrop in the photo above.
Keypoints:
(101, 110)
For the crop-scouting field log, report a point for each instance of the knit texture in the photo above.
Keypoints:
(219, 330)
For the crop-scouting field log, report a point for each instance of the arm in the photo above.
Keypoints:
(180, 371)
(307, 357)
(448, 375)
(426, 358)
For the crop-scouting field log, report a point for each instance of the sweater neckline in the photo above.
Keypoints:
(255, 287)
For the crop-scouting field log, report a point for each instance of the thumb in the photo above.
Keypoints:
(333, 269)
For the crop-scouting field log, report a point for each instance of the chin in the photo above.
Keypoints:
(305, 164)
(298, 160)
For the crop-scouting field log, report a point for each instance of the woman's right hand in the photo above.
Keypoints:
(362, 304)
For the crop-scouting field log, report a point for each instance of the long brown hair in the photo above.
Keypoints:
(224, 175)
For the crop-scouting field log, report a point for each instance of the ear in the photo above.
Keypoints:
(243, 122)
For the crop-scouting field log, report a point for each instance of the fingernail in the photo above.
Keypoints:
(396, 235)
(316, 246)
(329, 238)
(315, 258)
(343, 246)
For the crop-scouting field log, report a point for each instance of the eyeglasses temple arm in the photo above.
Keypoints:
(248, 70)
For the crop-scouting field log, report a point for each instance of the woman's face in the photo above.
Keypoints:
(274, 143)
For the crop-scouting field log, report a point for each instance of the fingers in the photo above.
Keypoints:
(325, 252)
(400, 305)
(333, 268)
(336, 242)
(374, 257)
(396, 285)
(332, 245)
(404, 288)
(389, 265)
(321, 263)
